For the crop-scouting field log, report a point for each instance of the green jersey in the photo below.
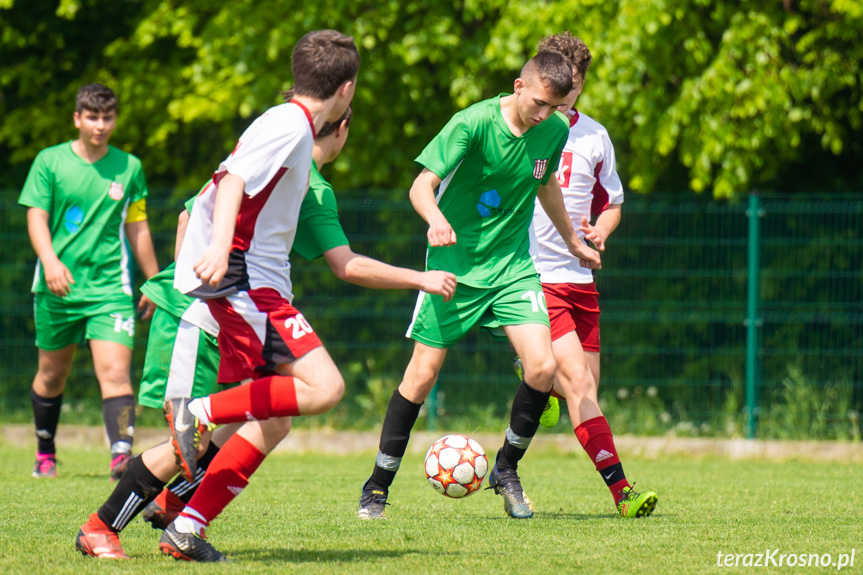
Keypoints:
(87, 206)
(318, 228)
(489, 182)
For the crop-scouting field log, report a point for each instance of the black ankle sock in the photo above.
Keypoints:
(527, 408)
(396, 432)
(119, 415)
(184, 489)
(46, 415)
(133, 491)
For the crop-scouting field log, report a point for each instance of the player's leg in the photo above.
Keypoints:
(59, 327)
(402, 412)
(110, 333)
(46, 396)
(574, 313)
(532, 343)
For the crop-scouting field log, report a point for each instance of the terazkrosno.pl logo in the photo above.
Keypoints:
(488, 201)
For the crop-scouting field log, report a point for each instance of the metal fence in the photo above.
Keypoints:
(719, 318)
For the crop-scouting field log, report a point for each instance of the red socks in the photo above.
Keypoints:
(226, 477)
(596, 439)
(261, 399)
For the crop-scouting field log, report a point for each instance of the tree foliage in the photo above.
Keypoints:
(719, 96)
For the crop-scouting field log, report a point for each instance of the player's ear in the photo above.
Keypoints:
(345, 88)
(76, 117)
(518, 86)
(343, 127)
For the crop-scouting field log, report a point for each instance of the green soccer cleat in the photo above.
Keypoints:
(634, 504)
(551, 414)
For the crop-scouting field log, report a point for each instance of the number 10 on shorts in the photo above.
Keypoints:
(537, 301)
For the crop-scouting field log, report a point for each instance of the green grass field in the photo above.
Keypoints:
(298, 515)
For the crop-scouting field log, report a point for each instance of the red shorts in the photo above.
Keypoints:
(259, 330)
(574, 307)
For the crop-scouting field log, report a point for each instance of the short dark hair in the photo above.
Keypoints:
(330, 127)
(322, 61)
(96, 98)
(573, 48)
(552, 69)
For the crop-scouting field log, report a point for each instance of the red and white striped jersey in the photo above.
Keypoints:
(589, 181)
(273, 157)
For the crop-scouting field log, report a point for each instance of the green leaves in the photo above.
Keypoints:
(718, 97)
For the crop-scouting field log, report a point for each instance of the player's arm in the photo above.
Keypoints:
(368, 272)
(551, 199)
(57, 275)
(182, 222)
(141, 242)
(605, 224)
(423, 199)
(213, 264)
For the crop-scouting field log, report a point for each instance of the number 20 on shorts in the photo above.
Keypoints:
(298, 325)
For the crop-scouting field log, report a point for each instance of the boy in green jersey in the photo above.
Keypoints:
(488, 165)
(319, 233)
(85, 200)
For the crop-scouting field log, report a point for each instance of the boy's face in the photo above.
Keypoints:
(577, 86)
(535, 102)
(95, 128)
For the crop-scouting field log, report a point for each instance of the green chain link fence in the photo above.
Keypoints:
(679, 301)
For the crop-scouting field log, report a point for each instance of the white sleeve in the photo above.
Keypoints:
(607, 176)
(265, 147)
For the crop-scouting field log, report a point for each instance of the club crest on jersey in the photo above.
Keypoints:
(539, 168)
(115, 192)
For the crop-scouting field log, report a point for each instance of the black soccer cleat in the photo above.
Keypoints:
(372, 503)
(188, 547)
(507, 484)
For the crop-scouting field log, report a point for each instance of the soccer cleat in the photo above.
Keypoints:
(507, 484)
(519, 369)
(189, 546)
(46, 466)
(551, 414)
(186, 432)
(372, 504)
(162, 510)
(119, 465)
(633, 504)
(95, 539)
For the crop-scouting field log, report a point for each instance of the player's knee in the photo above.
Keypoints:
(576, 380)
(540, 374)
(330, 392)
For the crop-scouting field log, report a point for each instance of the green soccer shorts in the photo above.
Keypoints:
(60, 323)
(441, 324)
(182, 361)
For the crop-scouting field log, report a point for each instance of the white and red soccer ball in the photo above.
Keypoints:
(455, 466)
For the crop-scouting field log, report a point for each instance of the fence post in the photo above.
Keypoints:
(753, 320)
(431, 418)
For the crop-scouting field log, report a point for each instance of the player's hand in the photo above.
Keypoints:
(439, 283)
(146, 308)
(441, 234)
(592, 234)
(58, 277)
(213, 265)
(587, 256)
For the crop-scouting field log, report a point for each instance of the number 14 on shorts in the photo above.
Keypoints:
(127, 325)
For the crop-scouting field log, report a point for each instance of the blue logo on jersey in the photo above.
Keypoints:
(487, 202)
(74, 219)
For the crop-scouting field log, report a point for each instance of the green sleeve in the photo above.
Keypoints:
(318, 228)
(443, 154)
(38, 189)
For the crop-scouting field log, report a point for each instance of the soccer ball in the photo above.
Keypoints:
(455, 466)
